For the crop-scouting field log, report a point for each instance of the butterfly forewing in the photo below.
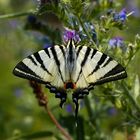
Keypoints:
(50, 65)
(43, 66)
(97, 67)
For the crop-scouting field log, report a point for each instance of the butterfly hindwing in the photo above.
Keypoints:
(43, 66)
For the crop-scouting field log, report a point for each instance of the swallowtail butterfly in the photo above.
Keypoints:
(70, 66)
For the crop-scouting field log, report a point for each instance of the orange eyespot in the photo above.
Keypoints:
(69, 85)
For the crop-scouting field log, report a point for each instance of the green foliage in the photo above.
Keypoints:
(110, 112)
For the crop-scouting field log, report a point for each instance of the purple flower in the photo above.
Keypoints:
(13, 23)
(116, 42)
(112, 111)
(32, 19)
(69, 108)
(91, 29)
(18, 92)
(71, 34)
(121, 16)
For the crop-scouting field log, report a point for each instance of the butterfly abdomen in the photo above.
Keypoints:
(70, 60)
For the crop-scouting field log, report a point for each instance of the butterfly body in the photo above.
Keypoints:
(73, 66)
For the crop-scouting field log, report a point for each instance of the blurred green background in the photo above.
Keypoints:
(19, 110)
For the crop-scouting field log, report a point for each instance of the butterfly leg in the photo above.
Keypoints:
(59, 93)
(62, 95)
(78, 94)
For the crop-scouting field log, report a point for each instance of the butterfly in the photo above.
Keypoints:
(71, 66)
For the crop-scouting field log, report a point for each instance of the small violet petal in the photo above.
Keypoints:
(69, 108)
(116, 42)
(18, 92)
(70, 34)
(122, 15)
(112, 111)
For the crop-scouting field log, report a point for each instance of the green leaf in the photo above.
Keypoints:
(138, 134)
(136, 87)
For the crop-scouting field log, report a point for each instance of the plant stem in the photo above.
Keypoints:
(43, 101)
(92, 118)
(130, 96)
(89, 110)
(67, 136)
(15, 15)
(130, 59)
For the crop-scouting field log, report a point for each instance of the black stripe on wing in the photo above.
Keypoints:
(99, 63)
(38, 58)
(108, 61)
(116, 70)
(86, 56)
(117, 73)
(62, 50)
(54, 53)
(55, 56)
(21, 70)
(93, 53)
(32, 59)
(47, 52)
(83, 62)
(70, 52)
(78, 51)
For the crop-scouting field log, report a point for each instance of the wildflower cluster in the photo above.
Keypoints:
(70, 34)
(111, 107)
(93, 33)
(116, 42)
